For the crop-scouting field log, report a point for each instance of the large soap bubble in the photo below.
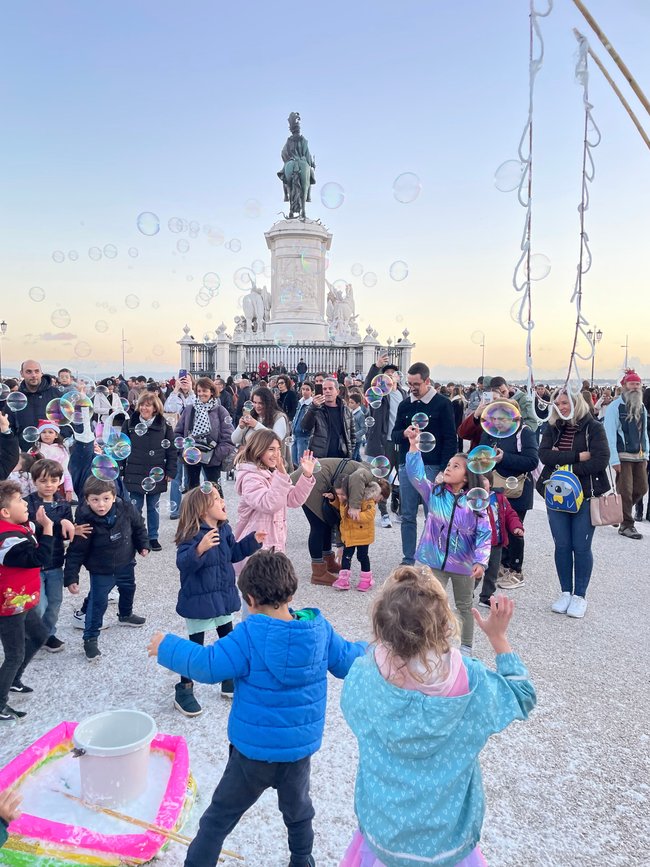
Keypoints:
(427, 442)
(140, 428)
(380, 467)
(374, 398)
(482, 459)
(105, 468)
(406, 187)
(16, 401)
(191, 455)
(477, 499)
(119, 447)
(157, 474)
(148, 484)
(420, 420)
(332, 195)
(59, 410)
(382, 383)
(73, 404)
(148, 223)
(508, 176)
(30, 434)
(500, 419)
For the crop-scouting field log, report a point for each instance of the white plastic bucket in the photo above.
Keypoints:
(114, 756)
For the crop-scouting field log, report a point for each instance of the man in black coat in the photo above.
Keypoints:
(331, 424)
(39, 391)
(9, 449)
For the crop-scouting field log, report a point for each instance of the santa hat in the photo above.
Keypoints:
(630, 376)
(45, 424)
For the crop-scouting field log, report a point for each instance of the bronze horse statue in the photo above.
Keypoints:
(297, 176)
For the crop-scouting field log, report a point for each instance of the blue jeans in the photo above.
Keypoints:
(100, 587)
(300, 445)
(51, 598)
(409, 502)
(574, 561)
(175, 495)
(153, 510)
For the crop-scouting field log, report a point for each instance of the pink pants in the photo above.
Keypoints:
(359, 854)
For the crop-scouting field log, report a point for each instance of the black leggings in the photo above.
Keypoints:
(362, 557)
(199, 638)
(320, 536)
(212, 474)
(513, 554)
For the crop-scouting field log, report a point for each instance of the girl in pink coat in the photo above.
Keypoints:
(265, 489)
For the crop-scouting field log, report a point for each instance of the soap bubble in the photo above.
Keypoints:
(86, 384)
(36, 293)
(382, 383)
(283, 339)
(477, 499)
(427, 442)
(60, 318)
(477, 337)
(540, 266)
(120, 447)
(248, 406)
(257, 267)
(155, 305)
(206, 488)
(148, 223)
(148, 484)
(101, 326)
(357, 269)
(374, 398)
(179, 442)
(289, 440)
(182, 245)
(482, 459)
(4, 390)
(420, 420)
(59, 410)
(201, 300)
(73, 255)
(332, 195)
(244, 278)
(398, 271)
(141, 428)
(191, 455)
(317, 467)
(511, 483)
(124, 402)
(157, 474)
(16, 401)
(58, 256)
(406, 187)
(235, 245)
(370, 422)
(188, 442)
(508, 176)
(110, 251)
(380, 467)
(82, 349)
(252, 208)
(176, 225)
(134, 252)
(30, 434)
(73, 404)
(370, 279)
(95, 254)
(105, 468)
(500, 419)
(165, 444)
(132, 301)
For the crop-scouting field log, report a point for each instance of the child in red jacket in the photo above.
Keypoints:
(503, 521)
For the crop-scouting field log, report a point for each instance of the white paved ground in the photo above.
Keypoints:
(569, 787)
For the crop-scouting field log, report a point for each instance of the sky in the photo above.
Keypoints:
(110, 110)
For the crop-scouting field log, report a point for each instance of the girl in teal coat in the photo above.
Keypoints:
(422, 713)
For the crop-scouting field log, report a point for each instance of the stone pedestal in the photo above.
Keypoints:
(298, 261)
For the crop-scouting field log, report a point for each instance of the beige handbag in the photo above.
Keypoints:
(499, 481)
(606, 509)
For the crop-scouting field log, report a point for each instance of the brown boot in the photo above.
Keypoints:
(320, 575)
(332, 563)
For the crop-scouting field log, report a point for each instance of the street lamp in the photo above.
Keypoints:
(594, 337)
(3, 331)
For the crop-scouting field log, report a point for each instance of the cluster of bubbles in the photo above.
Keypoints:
(187, 447)
(482, 459)
(209, 288)
(500, 419)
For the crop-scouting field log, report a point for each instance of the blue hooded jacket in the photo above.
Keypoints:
(208, 580)
(280, 672)
(419, 795)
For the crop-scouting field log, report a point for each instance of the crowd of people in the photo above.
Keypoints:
(351, 455)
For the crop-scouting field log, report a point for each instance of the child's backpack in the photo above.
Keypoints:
(564, 492)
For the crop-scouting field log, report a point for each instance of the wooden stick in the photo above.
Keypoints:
(616, 90)
(613, 54)
(149, 826)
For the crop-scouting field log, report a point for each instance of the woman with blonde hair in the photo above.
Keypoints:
(152, 461)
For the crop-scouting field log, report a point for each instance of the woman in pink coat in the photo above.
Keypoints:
(265, 489)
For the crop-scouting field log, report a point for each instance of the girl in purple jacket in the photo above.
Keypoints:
(456, 540)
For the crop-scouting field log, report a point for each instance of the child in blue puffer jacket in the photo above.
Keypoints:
(422, 713)
(208, 596)
(279, 661)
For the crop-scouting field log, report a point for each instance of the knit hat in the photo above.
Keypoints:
(630, 376)
(45, 424)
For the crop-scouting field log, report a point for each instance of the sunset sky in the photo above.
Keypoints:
(110, 110)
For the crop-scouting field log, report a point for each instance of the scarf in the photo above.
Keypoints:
(202, 410)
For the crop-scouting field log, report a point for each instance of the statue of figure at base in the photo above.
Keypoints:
(297, 176)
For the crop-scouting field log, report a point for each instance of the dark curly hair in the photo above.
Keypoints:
(269, 578)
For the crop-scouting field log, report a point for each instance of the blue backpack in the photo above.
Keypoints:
(564, 492)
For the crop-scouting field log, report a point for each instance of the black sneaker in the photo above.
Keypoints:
(54, 644)
(185, 701)
(20, 688)
(155, 545)
(91, 649)
(132, 620)
(308, 863)
(8, 714)
(227, 688)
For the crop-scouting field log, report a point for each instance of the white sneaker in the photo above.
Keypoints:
(79, 621)
(561, 604)
(577, 607)
(385, 521)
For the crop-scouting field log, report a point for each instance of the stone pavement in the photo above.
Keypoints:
(569, 787)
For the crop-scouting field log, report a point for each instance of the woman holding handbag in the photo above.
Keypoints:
(517, 457)
(573, 439)
(210, 426)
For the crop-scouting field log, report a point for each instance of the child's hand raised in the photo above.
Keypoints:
(412, 434)
(154, 643)
(260, 536)
(43, 520)
(495, 626)
(308, 462)
(210, 540)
